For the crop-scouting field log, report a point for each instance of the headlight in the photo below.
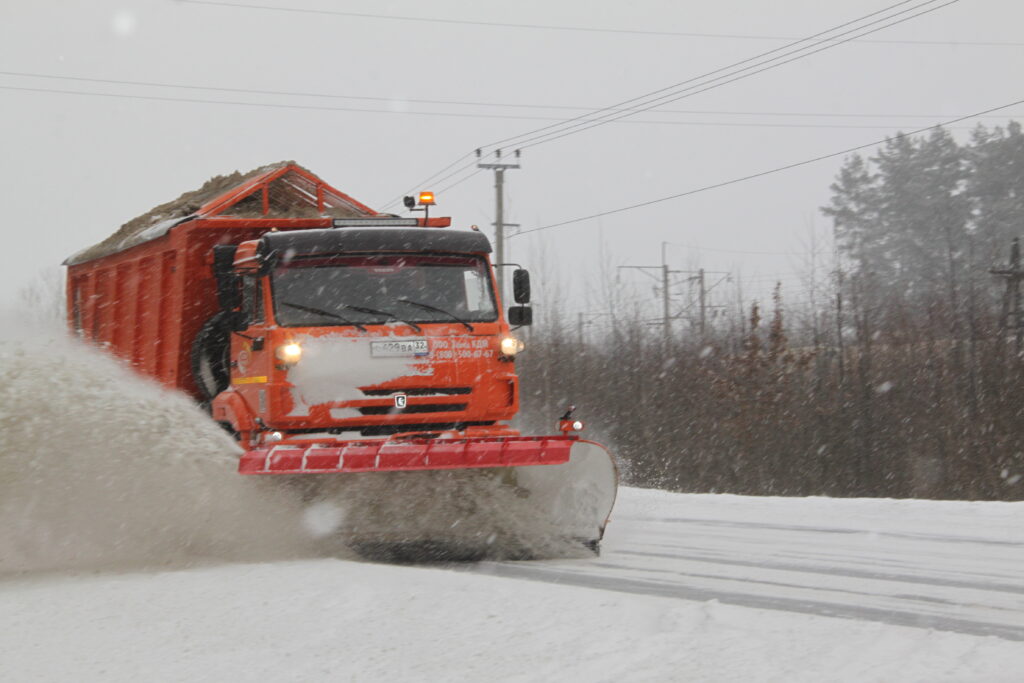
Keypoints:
(289, 353)
(510, 346)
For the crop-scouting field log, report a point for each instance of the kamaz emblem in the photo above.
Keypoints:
(401, 400)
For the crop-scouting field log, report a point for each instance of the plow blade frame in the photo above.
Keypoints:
(397, 455)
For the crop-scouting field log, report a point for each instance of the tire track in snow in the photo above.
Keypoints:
(680, 590)
(885, 561)
(838, 571)
(837, 530)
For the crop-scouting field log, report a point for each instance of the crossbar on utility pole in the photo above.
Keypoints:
(499, 167)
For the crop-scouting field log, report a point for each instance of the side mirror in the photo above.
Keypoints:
(521, 286)
(519, 316)
(268, 263)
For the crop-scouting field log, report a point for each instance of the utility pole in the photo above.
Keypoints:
(1012, 299)
(666, 313)
(703, 302)
(499, 167)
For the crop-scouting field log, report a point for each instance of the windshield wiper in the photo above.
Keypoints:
(428, 307)
(392, 316)
(320, 311)
(360, 309)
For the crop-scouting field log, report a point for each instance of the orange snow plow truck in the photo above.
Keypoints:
(362, 357)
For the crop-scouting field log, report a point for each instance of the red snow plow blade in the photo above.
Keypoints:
(481, 496)
(395, 455)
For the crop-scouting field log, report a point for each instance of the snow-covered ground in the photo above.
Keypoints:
(953, 566)
(689, 588)
(129, 549)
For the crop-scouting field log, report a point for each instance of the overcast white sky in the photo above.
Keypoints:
(77, 166)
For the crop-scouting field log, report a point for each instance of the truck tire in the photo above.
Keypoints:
(210, 356)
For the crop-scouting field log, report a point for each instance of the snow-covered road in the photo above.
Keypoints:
(951, 566)
(689, 588)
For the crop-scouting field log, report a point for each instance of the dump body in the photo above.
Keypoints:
(147, 303)
(145, 291)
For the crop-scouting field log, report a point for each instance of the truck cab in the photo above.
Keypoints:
(363, 331)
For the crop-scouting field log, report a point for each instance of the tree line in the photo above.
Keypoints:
(904, 379)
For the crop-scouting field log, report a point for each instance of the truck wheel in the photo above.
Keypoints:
(210, 356)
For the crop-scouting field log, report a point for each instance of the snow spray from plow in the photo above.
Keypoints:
(100, 468)
(536, 512)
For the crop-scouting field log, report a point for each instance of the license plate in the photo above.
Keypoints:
(399, 348)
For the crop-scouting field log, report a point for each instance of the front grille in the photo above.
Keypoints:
(420, 391)
(408, 410)
(384, 430)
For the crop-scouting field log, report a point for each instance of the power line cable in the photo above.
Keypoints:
(356, 110)
(646, 96)
(429, 179)
(593, 123)
(554, 135)
(274, 105)
(766, 65)
(738, 124)
(267, 105)
(459, 182)
(585, 29)
(739, 251)
(584, 121)
(760, 174)
(467, 103)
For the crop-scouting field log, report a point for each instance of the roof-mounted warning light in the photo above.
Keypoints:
(425, 199)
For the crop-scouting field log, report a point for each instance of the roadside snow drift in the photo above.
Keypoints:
(101, 468)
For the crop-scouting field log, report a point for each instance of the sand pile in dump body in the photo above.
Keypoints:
(286, 200)
(99, 468)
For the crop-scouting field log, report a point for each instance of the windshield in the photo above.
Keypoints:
(361, 290)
